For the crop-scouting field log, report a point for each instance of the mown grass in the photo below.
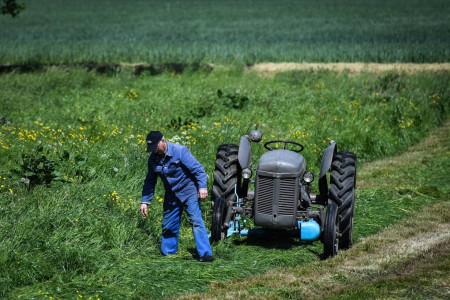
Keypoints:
(60, 32)
(81, 233)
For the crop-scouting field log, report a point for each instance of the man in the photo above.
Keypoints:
(184, 182)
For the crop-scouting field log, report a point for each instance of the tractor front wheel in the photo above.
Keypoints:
(342, 192)
(217, 231)
(331, 231)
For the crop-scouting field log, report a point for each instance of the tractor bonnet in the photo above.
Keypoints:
(281, 163)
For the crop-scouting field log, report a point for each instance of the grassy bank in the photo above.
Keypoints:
(61, 32)
(72, 164)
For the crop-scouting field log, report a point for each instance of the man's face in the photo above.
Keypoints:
(161, 148)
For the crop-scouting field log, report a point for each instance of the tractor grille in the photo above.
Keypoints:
(276, 201)
(265, 195)
(285, 194)
(286, 197)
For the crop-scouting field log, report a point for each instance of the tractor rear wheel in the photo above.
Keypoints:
(226, 177)
(342, 192)
(331, 231)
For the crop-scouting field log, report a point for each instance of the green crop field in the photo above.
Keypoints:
(63, 31)
(74, 112)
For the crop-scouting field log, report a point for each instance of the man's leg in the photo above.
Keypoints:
(171, 225)
(198, 227)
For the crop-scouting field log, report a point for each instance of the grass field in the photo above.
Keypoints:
(82, 83)
(73, 163)
(251, 31)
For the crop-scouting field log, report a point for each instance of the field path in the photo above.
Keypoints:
(274, 68)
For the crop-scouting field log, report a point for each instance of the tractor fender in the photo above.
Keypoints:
(327, 159)
(245, 153)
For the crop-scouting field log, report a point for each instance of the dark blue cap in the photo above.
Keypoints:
(153, 139)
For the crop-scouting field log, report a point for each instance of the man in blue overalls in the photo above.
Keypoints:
(184, 181)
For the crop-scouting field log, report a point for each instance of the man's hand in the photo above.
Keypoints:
(144, 211)
(202, 194)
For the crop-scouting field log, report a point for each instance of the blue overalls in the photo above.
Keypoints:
(182, 176)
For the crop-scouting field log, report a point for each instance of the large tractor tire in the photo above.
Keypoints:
(226, 176)
(342, 192)
(331, 231)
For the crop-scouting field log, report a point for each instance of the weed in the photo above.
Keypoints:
(36, 168)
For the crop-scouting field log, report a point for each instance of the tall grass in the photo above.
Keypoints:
(72, 164)
(55, 32)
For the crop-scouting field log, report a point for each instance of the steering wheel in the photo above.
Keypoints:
(266, 145)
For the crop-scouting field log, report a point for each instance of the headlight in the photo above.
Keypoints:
(308, 177)
(246, 173)
(255, 136)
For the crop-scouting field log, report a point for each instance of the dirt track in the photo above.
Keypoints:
(273, 68)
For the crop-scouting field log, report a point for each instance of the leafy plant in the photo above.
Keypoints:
(233, 99)
(36, 168)
(12, 7)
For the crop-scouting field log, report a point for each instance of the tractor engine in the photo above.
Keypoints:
(277, 188)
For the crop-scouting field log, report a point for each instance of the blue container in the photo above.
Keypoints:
(309, 231)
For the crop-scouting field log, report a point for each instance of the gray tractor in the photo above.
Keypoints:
(282, 198)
